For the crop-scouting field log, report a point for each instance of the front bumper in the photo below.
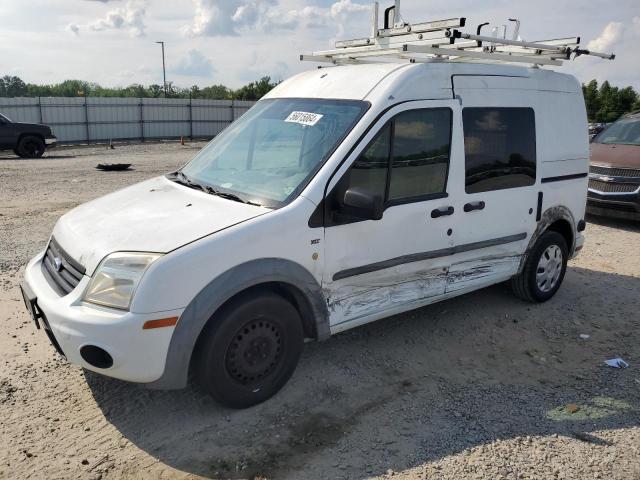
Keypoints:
(50, 142)
(619, 205)
(71, 324)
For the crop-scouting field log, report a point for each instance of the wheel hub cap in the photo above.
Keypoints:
(549, 268)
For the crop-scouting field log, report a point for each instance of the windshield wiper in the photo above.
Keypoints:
(229, 196)
(183, 179)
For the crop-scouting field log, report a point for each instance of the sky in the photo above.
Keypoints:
(233, 42)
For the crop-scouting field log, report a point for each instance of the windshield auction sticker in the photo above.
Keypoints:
(304, 118)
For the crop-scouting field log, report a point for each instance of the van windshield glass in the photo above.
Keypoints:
(623, 132)
(271, 152)
(4, 117)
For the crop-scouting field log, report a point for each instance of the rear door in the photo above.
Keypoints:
(495, 191)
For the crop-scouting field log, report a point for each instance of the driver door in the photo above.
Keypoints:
(375, 268)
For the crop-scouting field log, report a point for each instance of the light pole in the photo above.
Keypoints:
(164, 74)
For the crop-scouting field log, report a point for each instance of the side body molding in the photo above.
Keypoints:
(221, 289)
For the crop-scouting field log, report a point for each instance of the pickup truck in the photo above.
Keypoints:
(27, 140)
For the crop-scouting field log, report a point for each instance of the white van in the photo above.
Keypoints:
(346, 195)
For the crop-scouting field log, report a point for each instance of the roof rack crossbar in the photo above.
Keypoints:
(441, 40)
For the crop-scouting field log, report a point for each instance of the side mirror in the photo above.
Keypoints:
(363, 204)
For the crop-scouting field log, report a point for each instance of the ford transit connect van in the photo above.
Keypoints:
(346, 195)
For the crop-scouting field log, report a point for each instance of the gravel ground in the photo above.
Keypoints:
(483, 386)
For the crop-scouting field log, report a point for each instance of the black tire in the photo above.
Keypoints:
(526, 285)
(249, 350)
(30, 146)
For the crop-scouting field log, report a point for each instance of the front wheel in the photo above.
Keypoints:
(30, 147)
(544, 269)
(249, 349)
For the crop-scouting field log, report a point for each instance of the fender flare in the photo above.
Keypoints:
(551, 215)
(219, 291)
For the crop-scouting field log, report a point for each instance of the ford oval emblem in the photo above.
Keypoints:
(57, 262)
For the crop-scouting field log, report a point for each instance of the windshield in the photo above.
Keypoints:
(623, 132)
(7, 119)
(273, 150)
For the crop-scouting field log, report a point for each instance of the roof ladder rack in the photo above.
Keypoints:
(441, 40)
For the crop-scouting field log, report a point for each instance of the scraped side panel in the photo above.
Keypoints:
(377, 292)
(480, 272)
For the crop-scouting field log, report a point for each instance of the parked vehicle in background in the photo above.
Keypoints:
(27, 140)
(614, 174)
(596, 128)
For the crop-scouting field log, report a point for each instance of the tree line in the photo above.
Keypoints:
(605, 103)
(12, 86)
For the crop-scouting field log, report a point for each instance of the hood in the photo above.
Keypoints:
(621, 156)
(35, 127)
(153, 216)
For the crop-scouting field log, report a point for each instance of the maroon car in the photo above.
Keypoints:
(614, 178)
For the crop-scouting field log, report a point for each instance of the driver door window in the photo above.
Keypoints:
(408, 161)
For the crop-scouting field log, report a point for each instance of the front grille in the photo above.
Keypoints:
(615, 172)
(61, 271)
(612, 187)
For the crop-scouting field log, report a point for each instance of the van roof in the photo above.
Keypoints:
(417, 80)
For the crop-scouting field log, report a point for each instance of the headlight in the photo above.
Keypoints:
(117, 278)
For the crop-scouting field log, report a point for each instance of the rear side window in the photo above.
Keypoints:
(500, 148)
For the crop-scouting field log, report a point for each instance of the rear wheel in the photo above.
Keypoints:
(249, 350)
(30, 147)
(544, 269)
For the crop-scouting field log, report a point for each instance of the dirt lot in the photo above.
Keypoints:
(475, 387)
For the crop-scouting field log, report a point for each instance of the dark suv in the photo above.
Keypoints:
(27, 140)
(614, 178)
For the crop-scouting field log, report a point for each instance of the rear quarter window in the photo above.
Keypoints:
(500, 148)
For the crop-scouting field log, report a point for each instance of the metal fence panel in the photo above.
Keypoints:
(100, 119)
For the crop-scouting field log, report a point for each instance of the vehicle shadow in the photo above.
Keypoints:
(621, 224)
(411, 389)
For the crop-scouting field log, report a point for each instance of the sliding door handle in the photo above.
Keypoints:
(442, 212)
(470, 207)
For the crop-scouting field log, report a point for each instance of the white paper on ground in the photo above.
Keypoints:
(616, 363)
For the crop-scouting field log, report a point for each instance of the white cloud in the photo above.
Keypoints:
(73, 28)
(195, 64)
(212, 18)
(222, 18)
(611, 35)
(131, 16)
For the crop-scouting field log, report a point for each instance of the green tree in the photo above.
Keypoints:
(216, 92)
(607, 103)
(155, 91)
(591, 98)
(255, 90)
(12, 86)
